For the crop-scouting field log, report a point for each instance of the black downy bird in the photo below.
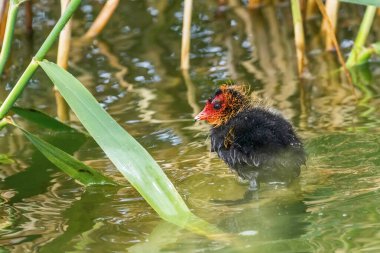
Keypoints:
(255, 141)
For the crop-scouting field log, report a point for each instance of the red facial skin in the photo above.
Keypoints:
(213, 112)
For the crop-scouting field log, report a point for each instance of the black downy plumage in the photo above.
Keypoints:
(254, 141)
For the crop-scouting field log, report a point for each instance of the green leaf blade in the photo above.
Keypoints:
(363, 2)
(130, 158)
(43, 120)
(67, 163)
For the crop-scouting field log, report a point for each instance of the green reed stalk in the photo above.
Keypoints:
(40, 55)
(367, 52)
(364, 29)
(3, 123)
(8, 35)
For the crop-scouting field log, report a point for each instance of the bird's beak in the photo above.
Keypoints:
(201, 116)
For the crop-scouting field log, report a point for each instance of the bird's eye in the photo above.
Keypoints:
(217, 106)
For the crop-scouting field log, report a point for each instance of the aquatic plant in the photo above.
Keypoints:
(8, 33)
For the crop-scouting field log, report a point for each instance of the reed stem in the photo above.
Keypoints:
(3, 6)
(186, 34)
(332, 7)
(335, 42)
(253, 4)
(33, 65)
(3, 18)
(364, 29)
(8, 35)
(367, 52)
(63, 110)
(299, 35)
(3, 123)
(311, 9)
(28, 17)
(102, 19)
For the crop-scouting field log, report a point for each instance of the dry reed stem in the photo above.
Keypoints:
(3, 19)
(63, 110)
(253, 4)
(28, 17)
(335, 42)
(311, 9)
(3, 8)
(102, 19)
(332, 7)
(186, 34)
(64, 40)
(299, 36)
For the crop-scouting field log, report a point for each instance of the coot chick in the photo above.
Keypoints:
(255, 141)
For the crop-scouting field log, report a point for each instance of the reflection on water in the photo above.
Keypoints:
(132, 68)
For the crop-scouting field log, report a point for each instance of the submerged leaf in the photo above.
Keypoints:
(129, 157)
(67, 163)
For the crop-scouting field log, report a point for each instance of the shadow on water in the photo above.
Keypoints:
(26, 192)
(83, 221)
(35, 179)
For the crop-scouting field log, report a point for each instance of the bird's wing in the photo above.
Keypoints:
(257, 141)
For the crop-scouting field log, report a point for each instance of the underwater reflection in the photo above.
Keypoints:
(277, 220)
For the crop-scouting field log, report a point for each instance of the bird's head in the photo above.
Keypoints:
(224, 104)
